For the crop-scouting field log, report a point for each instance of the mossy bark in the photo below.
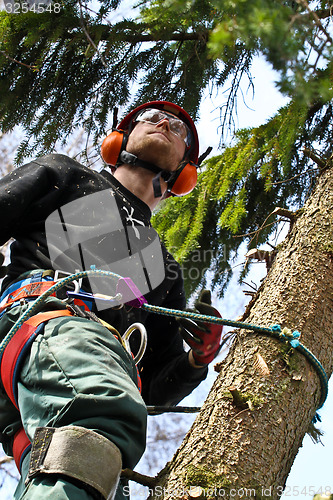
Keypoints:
(250, 451)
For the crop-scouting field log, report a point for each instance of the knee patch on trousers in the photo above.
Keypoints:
(78, 453)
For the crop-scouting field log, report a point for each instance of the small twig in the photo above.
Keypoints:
(310, 154)
(34, 68)
(131, 475)
(238, 398)
(277, 211)
(293, 177)
(90, 40)
(250, 233)
(253, 286)
(305, 4)
(239, 413)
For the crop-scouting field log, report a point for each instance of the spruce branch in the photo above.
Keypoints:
(136, 34)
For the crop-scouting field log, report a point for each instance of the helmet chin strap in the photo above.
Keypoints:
(130, 159)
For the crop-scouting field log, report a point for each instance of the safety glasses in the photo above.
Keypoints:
(177, 126)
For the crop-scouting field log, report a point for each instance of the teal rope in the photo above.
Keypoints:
(274, 331)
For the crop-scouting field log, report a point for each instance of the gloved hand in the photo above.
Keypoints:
(203, 338)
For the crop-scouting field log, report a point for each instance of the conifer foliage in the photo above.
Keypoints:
(69, 66)
(268, 167)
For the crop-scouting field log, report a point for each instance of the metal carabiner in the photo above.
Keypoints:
(143, 343)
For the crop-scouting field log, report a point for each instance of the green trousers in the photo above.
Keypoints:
(76, 373)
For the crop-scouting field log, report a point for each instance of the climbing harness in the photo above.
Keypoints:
(29, 323)
(17, 343)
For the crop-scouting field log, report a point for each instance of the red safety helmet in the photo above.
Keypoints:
(184, 178)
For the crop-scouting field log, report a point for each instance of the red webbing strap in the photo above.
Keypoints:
(30, 290)
(10, 357)
(15, 346)
(21, 445)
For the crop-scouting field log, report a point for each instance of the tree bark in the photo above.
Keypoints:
(234, 451)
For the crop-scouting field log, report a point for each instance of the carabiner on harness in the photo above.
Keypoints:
(143, 340)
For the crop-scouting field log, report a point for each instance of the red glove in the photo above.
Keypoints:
(203, 338)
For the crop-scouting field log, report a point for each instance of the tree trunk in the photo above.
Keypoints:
(238, 449)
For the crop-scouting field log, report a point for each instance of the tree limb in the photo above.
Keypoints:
(323, 13)
(131, 475)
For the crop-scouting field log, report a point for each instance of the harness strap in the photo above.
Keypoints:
(28, 290)
(35, 289)
(11, 360)
(21, 447)
(18, 346)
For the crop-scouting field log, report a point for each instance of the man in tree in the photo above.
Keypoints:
(73, 391)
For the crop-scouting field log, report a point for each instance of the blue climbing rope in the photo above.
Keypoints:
(283, 335)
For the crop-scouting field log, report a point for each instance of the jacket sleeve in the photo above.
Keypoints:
(167, 376)
(19, 192)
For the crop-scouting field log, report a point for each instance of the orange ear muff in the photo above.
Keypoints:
(185, 181)
(112, 146)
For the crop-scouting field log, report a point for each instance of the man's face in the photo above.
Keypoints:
(156, 143)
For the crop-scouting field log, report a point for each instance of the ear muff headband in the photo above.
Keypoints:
(182, 183)
(185, 178)
(112, 146)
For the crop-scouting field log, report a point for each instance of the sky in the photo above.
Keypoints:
(311, 472)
